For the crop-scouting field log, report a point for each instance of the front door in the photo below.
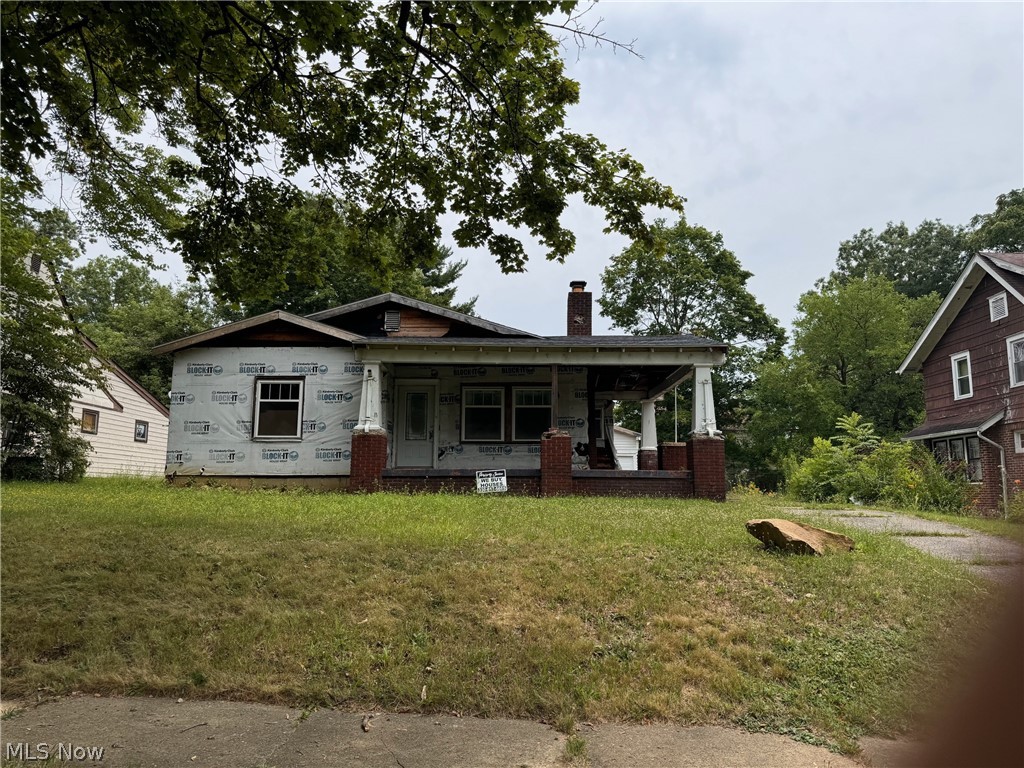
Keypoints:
(414, 428)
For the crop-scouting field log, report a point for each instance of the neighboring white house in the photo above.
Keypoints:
(627, 446)
(125, 424)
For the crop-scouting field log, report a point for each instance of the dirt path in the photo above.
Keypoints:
(163, 733)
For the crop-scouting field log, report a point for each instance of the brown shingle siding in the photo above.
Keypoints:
(972, 331)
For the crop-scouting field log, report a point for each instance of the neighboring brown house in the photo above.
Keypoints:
(972, 358)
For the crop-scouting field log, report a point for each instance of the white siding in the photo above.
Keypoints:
(627, 444)
(115, 450)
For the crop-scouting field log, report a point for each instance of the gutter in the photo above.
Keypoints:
(1002, 470)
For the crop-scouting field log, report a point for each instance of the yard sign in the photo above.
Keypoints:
(491, 481)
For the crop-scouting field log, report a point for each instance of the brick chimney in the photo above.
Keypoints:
(580, 314)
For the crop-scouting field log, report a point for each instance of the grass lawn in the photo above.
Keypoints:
(564, 610)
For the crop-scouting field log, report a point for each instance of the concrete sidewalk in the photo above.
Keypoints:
(163, 733)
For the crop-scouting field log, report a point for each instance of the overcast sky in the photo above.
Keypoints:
(788, 127)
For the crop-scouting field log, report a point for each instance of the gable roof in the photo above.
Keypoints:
(1003, 267)
(405, 301)
(277, 315)
(123, 375)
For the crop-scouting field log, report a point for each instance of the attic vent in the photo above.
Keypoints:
(997, 308)
(392, 320)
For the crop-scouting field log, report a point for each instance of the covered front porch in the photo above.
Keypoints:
(434, 411)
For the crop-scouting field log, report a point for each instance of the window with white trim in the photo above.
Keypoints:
(997, 307)
(483, 413)
(961, 376)
(1018, 441)
(531, 412)
(278, 408)
(1015, 359)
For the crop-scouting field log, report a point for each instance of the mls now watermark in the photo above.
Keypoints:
(22, 750)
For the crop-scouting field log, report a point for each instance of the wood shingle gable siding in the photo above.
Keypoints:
(416, 323)
(974, 332)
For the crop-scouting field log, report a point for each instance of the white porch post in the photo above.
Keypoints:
(704, 422)
(648, 426)
(647, 458)
(370, 410)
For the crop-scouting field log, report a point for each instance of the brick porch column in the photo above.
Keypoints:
(369, 457)
(555, 463)
(673, 456)
(707, 462)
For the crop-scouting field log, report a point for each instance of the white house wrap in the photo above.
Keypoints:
(212, 411)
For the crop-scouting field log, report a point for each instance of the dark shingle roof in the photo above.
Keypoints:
(405, 301)
(684, 340)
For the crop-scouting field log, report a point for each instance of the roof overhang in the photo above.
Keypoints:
(971, 276)
(939, 428)
(252, 323)
(538, 353)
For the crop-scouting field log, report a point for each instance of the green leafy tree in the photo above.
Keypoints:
(1003, 229)
(406, 110)
(349, 265)
(126, 312)
(917, 262)
(848, 341)
(689, 282)
(44, 363)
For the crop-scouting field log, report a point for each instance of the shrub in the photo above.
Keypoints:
(856, 465)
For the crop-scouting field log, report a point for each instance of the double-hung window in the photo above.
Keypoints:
(278, 408)
(962, 387)
(531, 412)
(1015, 359)
(483, 413)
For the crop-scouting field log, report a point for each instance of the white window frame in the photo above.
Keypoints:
(1018, 441)
(466, 405)
(1009, 358)
(998, 299)
(550, 406)
(953, 360)
(258, 399)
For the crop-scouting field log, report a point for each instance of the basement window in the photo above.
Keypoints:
(483, 414)
(278, 408)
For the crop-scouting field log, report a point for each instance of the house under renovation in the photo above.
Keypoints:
(391, 393)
